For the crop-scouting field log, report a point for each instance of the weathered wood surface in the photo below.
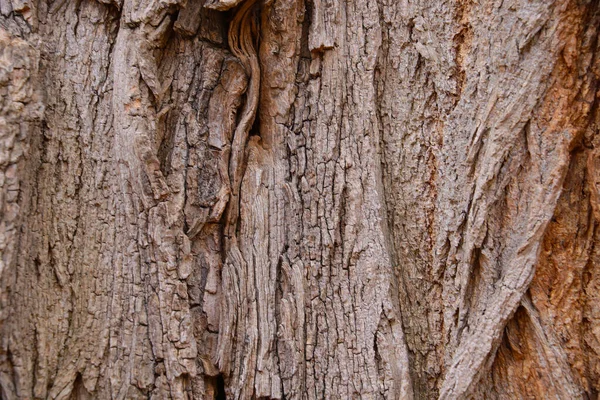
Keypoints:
(290, 199)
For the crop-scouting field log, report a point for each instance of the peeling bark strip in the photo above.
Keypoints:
(299, 199)
(242, 35)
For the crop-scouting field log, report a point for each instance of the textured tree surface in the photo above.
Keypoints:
(299, 199)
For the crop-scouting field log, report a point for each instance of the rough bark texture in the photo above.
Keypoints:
(299, 199)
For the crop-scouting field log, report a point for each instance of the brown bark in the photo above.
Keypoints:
(291, 199)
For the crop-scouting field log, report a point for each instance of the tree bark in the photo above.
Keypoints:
(299, 199)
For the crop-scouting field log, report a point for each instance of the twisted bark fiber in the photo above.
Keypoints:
(299, 199)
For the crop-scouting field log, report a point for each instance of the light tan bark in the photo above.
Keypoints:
(291, 199)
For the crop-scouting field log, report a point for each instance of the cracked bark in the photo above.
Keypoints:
(299, 199)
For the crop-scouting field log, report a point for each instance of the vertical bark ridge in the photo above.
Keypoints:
(487, 297)
(418, 85)
(21, 111)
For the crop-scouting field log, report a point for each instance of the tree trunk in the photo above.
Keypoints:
(288, 199)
